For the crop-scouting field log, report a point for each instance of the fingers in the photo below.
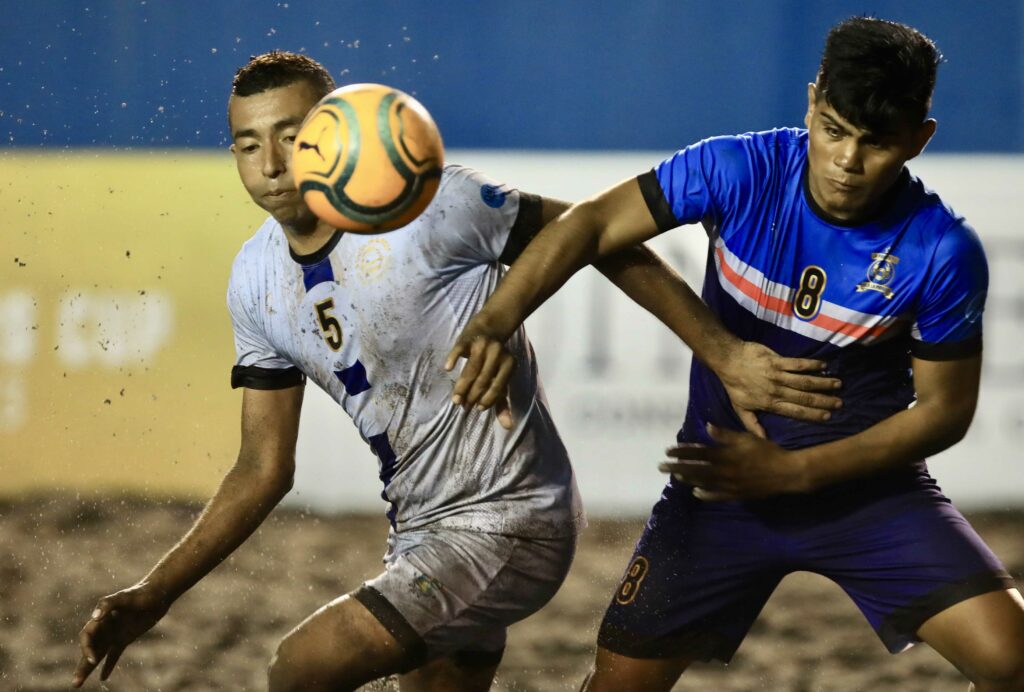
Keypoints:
(709, 496)
(799, 364)
(808, 383)
(498, 387)
(750, 422)
(474, 354)
(90, 641)
(491, 363)
(798, 412)
(503, 413)
(459, 350)
(696, 473)
(691, 451)
(82, 671)
(108, 665)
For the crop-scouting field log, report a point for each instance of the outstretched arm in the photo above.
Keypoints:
(260, 477)
(606, 230)
(743, 466)
(755, 377)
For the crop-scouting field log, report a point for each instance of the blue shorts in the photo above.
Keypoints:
(702, 571)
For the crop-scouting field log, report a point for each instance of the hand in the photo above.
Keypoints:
(117, 621)
(483, 381)
(758, 379)
(742, 467)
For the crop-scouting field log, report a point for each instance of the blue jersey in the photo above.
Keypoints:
(781, 272)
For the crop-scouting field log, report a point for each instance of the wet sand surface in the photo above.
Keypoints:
(59, 553)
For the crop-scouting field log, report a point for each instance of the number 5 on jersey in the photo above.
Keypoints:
(330, 328)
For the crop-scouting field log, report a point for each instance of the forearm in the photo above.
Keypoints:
(657, 288)
(566, 244)
(905, 438)
(244, 499)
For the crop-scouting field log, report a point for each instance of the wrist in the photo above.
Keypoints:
(806, 478)
(723, 357)
(498, 325)
(158, 593)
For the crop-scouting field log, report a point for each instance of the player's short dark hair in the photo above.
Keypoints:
(878, 74)
(280, 68)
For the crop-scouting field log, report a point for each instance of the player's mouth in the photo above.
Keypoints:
(279, 195)
(845, 188)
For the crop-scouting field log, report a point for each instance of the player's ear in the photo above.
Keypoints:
(812, 93)
(924, 133)
(232, 148)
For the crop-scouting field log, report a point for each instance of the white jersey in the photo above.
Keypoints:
(370, 319)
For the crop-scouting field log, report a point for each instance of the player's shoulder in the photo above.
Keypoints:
(256, 249)
(458, 181)
(782, 142)
(752, 156)
(936, 220)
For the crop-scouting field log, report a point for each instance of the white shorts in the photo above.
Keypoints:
(454, 593)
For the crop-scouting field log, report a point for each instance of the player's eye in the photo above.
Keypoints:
(249, 148)
(832, 132)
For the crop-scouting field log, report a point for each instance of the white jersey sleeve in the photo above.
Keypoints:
(479, 220)
(257, 364)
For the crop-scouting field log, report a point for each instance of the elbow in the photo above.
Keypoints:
(952, 424)
(958, 430)
(274, 475)
(588, 223)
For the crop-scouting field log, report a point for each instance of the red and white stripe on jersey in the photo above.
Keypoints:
(773, 302)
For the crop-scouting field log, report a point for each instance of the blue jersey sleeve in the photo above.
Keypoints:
(705, 181)
(948, 320)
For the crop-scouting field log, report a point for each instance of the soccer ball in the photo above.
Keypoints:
(368, 158)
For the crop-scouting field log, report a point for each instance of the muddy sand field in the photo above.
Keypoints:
(59, 553)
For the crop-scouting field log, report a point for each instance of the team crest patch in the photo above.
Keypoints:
(880, 274)
(426, 584)
(373, 258)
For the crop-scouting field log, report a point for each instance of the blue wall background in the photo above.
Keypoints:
(645, 74)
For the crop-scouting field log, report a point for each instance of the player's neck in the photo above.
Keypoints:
(308, 241)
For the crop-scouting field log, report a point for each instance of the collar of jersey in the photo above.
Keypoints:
(321, 254)
(884, 208)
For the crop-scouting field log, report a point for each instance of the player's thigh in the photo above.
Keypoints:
(699, 576)
(456, 592)
(340, 646)
(461, 672)
(617, 673)
(903, 561)
(983, 637)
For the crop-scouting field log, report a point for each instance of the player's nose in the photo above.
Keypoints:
(275, 161)
(848, 157)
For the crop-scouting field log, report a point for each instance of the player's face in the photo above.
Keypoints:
(263, 128)
(851, 169)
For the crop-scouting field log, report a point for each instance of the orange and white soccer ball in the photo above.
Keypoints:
(368, 158)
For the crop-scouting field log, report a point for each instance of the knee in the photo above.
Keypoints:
(281, 671)
(289, 671)
(1000, 671)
